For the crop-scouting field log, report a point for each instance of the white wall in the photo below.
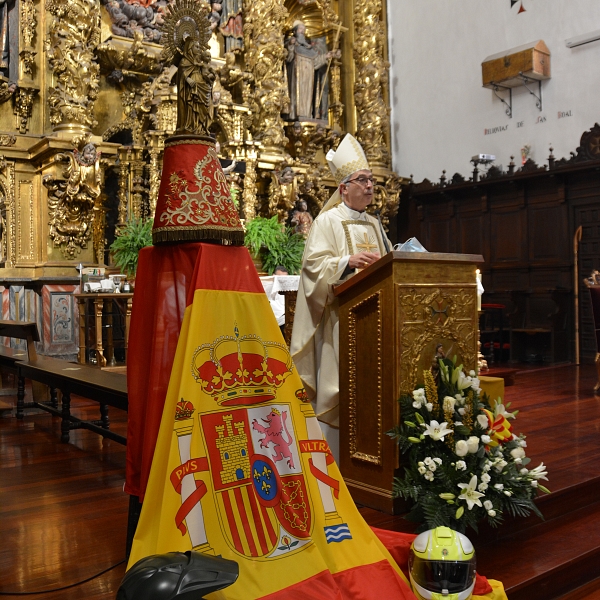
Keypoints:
(439, 108)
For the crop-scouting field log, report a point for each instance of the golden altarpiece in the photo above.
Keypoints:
(86, 105)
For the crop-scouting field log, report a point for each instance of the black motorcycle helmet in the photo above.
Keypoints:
(177, 576)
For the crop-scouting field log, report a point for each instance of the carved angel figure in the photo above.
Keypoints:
(71, 199)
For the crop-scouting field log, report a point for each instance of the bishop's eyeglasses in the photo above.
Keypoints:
(362, 180)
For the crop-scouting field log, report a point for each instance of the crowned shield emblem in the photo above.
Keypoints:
(261, 494)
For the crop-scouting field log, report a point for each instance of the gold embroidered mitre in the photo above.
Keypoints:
(347, 159)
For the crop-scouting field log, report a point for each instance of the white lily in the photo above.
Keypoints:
(436, 431)
(470, 494)
(463, 381)
(539, 472)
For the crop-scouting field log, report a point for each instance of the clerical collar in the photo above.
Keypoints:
(353, 214)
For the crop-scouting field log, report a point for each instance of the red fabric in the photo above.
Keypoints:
(398, 545)
(193, 193)
(225, 268)
(368, 582)
(166, 278)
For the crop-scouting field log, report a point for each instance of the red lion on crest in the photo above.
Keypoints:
(274, 434)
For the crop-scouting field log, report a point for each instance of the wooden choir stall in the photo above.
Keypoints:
(392, 316)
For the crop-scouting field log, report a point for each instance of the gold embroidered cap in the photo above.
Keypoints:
(347, 159)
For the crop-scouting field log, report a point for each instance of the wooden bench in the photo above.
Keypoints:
(106, 388)
(20, 330)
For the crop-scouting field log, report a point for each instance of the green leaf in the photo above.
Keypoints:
(130, 239)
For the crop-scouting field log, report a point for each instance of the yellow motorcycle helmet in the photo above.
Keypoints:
(441, 563)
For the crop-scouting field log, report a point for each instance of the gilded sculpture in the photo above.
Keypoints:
(73, 36)
(72, 198)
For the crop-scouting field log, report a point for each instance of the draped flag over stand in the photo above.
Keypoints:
(241, 469)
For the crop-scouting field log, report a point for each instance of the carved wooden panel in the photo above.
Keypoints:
(547, 232)
(430, 315)
(364, 335)
(507, 234)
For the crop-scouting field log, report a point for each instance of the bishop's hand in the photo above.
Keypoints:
(363, 259)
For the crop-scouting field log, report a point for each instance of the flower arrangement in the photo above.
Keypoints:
(464, 462)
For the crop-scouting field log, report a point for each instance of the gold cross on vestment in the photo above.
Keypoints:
(367, 246)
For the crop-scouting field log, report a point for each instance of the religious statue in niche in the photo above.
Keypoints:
(71, 199)
(231, 25)
(307, 74)
(301, 219)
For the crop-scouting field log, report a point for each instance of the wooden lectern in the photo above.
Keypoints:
(392, 316)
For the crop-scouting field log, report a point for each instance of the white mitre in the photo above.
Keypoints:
(347, 159)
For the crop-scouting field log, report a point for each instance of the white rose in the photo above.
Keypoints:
(483, 421)
(437, 460)
(486, 439)
(461, 465)
(492, 513)
(485, 478)
(449, 403)
(422, 470)
(517, 453)
(462, 411)
(482, 487)
(499, 486)
(473, 444)
(428, 476)
(429, 406)
(500, 465)
(462, 448)
(487, 504)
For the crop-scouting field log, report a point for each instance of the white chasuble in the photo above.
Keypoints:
(335, 235)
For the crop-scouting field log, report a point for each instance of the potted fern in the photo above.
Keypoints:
(272, 244)
(135, 235)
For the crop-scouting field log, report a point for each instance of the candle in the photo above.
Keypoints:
(479, 287)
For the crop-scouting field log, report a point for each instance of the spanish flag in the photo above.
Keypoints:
(240, 468)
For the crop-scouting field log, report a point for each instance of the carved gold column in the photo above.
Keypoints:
(249, 195)
(138, 188)
(27, 27)
(155, 141)
(73, 36)
(371, 81)
(7, 189)
(264, 23)
(123, 194)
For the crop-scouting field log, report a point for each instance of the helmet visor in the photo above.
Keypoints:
(439, 575)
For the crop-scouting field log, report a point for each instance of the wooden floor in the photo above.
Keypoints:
(63, 513)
